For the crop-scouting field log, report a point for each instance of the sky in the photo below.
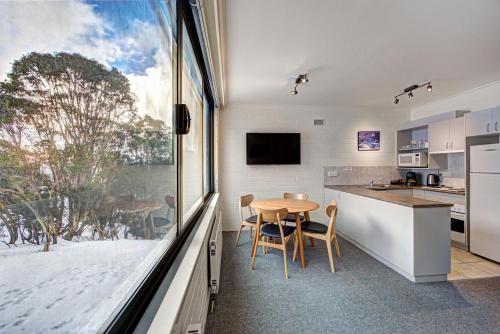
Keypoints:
(127, 35)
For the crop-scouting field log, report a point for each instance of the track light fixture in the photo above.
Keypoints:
(409, 90)
(301, 79)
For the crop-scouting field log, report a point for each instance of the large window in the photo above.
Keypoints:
(192, 145)
(89, 166)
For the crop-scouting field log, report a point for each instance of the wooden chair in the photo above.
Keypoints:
(163, 224)
(251, 221)
(291, 217)
(321, 231)
(275, 229)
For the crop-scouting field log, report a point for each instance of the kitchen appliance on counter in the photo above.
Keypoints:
(411, 179)
(432, 180)
(415, 159)
(484, 211)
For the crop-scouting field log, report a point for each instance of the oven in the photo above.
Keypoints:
(458, 224)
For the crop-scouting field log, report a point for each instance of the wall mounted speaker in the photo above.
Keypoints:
(182, 119)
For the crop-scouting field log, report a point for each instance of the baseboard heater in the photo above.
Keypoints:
(215, 252)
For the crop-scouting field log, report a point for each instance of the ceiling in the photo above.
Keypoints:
(359, 53)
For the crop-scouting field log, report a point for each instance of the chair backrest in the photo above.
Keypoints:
(244, 202)
(275, 216)
(331, 211)
(295, 196)
(170, 201)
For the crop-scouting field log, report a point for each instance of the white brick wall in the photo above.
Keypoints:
(333, 144)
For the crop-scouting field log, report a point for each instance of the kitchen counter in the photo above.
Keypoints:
(447, 190)
(410, 235)
(381, 195)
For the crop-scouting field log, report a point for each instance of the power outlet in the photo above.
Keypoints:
(348, 170)
(333, 173)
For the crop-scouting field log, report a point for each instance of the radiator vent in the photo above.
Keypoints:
(319, 122)
(194, 329)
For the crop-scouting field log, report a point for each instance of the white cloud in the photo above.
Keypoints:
(72, 26)
(153, 90)
(49, 27)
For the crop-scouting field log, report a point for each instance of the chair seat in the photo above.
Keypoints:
(272, 230)
(253, 220)
(159, 221)
(291, 218)
(310, 226)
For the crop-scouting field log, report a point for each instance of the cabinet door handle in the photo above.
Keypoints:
(496, 126)
(488, 127)
(446, 145)
(451, 147)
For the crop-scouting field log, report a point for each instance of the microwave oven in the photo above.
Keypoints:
(412, 160)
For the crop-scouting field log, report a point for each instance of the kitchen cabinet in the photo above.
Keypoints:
(445, 197)
(439, 136)
(482, 122)
(447, 136)
(457, 134)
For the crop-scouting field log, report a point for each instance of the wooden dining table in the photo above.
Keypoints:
(294, 206)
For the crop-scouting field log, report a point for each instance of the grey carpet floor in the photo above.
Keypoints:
(362, 296)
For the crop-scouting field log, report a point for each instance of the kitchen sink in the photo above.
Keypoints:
(378, 187)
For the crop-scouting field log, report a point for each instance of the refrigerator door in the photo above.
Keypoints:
(485, 158)
(484, 221)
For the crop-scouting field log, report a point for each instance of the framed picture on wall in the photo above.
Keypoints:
(368, 140)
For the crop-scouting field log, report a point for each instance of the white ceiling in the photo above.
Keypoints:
(359, 52)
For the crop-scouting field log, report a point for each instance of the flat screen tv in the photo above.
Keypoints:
(273, 148)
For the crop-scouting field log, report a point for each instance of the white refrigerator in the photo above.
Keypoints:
(484, 206)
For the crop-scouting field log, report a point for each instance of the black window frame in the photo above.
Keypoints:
(130, 315)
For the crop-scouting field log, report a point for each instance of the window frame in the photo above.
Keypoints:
(132, 312)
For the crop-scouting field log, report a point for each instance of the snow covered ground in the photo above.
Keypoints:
(74, 288)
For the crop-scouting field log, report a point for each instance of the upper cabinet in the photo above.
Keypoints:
(439, 136)
(483, 122)
(457, 134)
(447, 136)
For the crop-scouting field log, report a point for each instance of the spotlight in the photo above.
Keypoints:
(409, 90)
(301, 79)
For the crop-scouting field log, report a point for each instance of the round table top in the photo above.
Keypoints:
(292, 205)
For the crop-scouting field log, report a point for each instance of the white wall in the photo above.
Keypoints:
(483, 97)
(333, 144)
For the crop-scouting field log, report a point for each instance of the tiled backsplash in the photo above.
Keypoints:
(454, 176)
(360, 175)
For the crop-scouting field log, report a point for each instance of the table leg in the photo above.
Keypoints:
(150, 227)
(301, 244)
(308, 218)
(255, 237)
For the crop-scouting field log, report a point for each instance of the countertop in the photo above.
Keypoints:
(447, 190)
(390, 197)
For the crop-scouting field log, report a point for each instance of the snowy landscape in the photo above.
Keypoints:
(41, 290)
(87, 166)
